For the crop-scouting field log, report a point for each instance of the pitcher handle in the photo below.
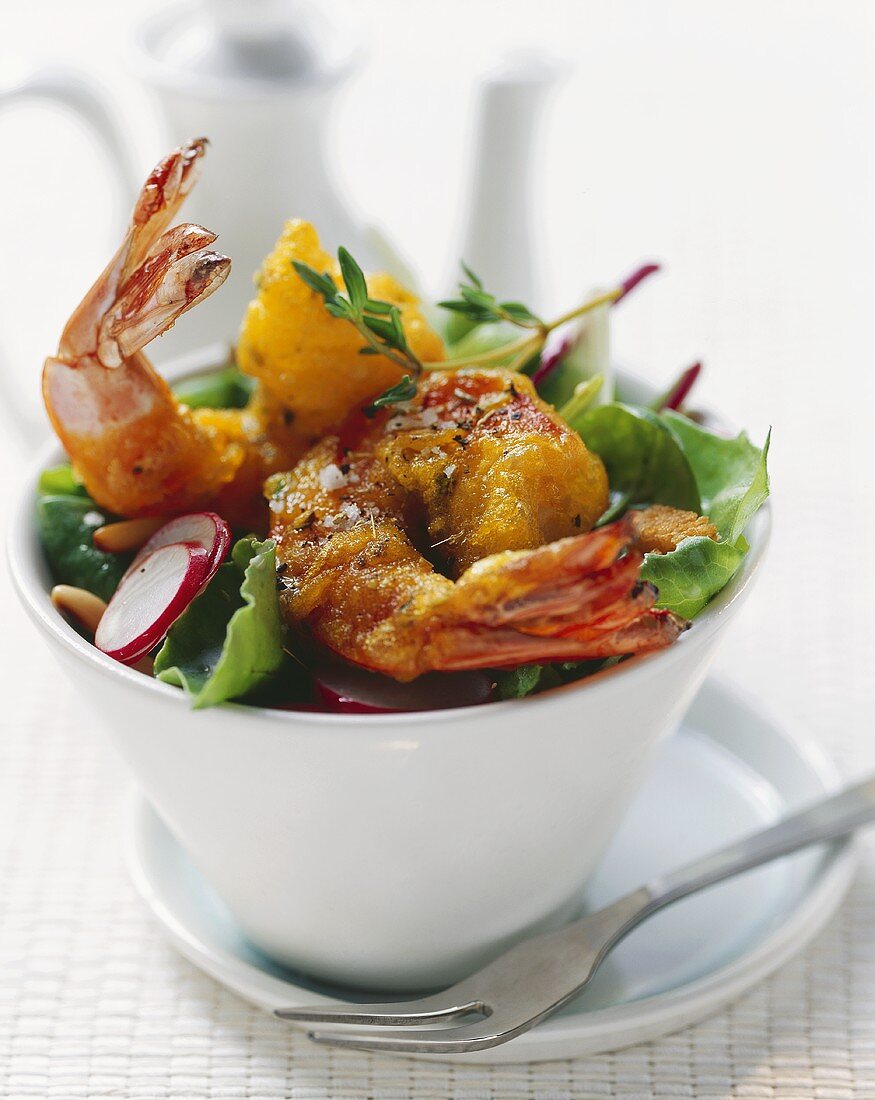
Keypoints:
(87, 99)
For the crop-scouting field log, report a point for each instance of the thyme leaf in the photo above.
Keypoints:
(481, 307)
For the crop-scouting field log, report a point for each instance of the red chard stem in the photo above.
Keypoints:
(680, 391)
(555, 351)
(631, 281)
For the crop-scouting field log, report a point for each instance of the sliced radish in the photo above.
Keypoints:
(204, 529)
(344, 688)
(150, 598)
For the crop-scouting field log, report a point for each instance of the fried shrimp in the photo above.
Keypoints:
(478, 477)
(495, 467)
(136, 449)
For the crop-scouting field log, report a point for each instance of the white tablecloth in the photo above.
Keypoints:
(737, 145)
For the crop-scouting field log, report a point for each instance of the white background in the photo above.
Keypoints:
(733, 142)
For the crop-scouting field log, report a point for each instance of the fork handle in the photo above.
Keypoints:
(827, 819)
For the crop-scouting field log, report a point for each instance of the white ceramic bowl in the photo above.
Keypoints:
(388, 851)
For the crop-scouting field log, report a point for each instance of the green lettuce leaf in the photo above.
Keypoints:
(733, 481)
(228, 642)
(691, 575)
(456, 327)
(482, 338)
(66, 522)
(515, 683)
(61, 481)
(226, 388)
(731, 474)
(644, 460)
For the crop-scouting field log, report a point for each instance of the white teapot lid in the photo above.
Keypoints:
(247, 47)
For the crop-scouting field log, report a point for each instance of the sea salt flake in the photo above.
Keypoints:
(419, 418)
(331, 477)
(450, 470)
(351, 513)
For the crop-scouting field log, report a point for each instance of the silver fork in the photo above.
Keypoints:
(537, 976)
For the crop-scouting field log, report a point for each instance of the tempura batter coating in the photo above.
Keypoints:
(308, 359)
(495, 466)
(661, 529)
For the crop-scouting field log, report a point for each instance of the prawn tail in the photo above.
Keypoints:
(589, 604)
(655, 629)
(162, 194)
(160, 198)
(178, 273)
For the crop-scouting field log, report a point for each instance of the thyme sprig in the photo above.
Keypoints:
(380, 325)
(519, 352)
(480, 307)
(377, 321)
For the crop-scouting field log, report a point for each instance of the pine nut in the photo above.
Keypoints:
(127, 534)
(81, 605)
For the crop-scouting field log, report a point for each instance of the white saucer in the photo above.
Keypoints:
(729, 770)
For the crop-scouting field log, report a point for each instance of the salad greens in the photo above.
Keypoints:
(688, 577)
(67, 518)
(645, 460)
(228, 641)
(227, 388)
(514, 683)
(731, 473)
(482, 339)
(733, 482)
(61, 481)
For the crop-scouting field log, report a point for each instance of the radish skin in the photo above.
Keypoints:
(204, 529)
(150, 598)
